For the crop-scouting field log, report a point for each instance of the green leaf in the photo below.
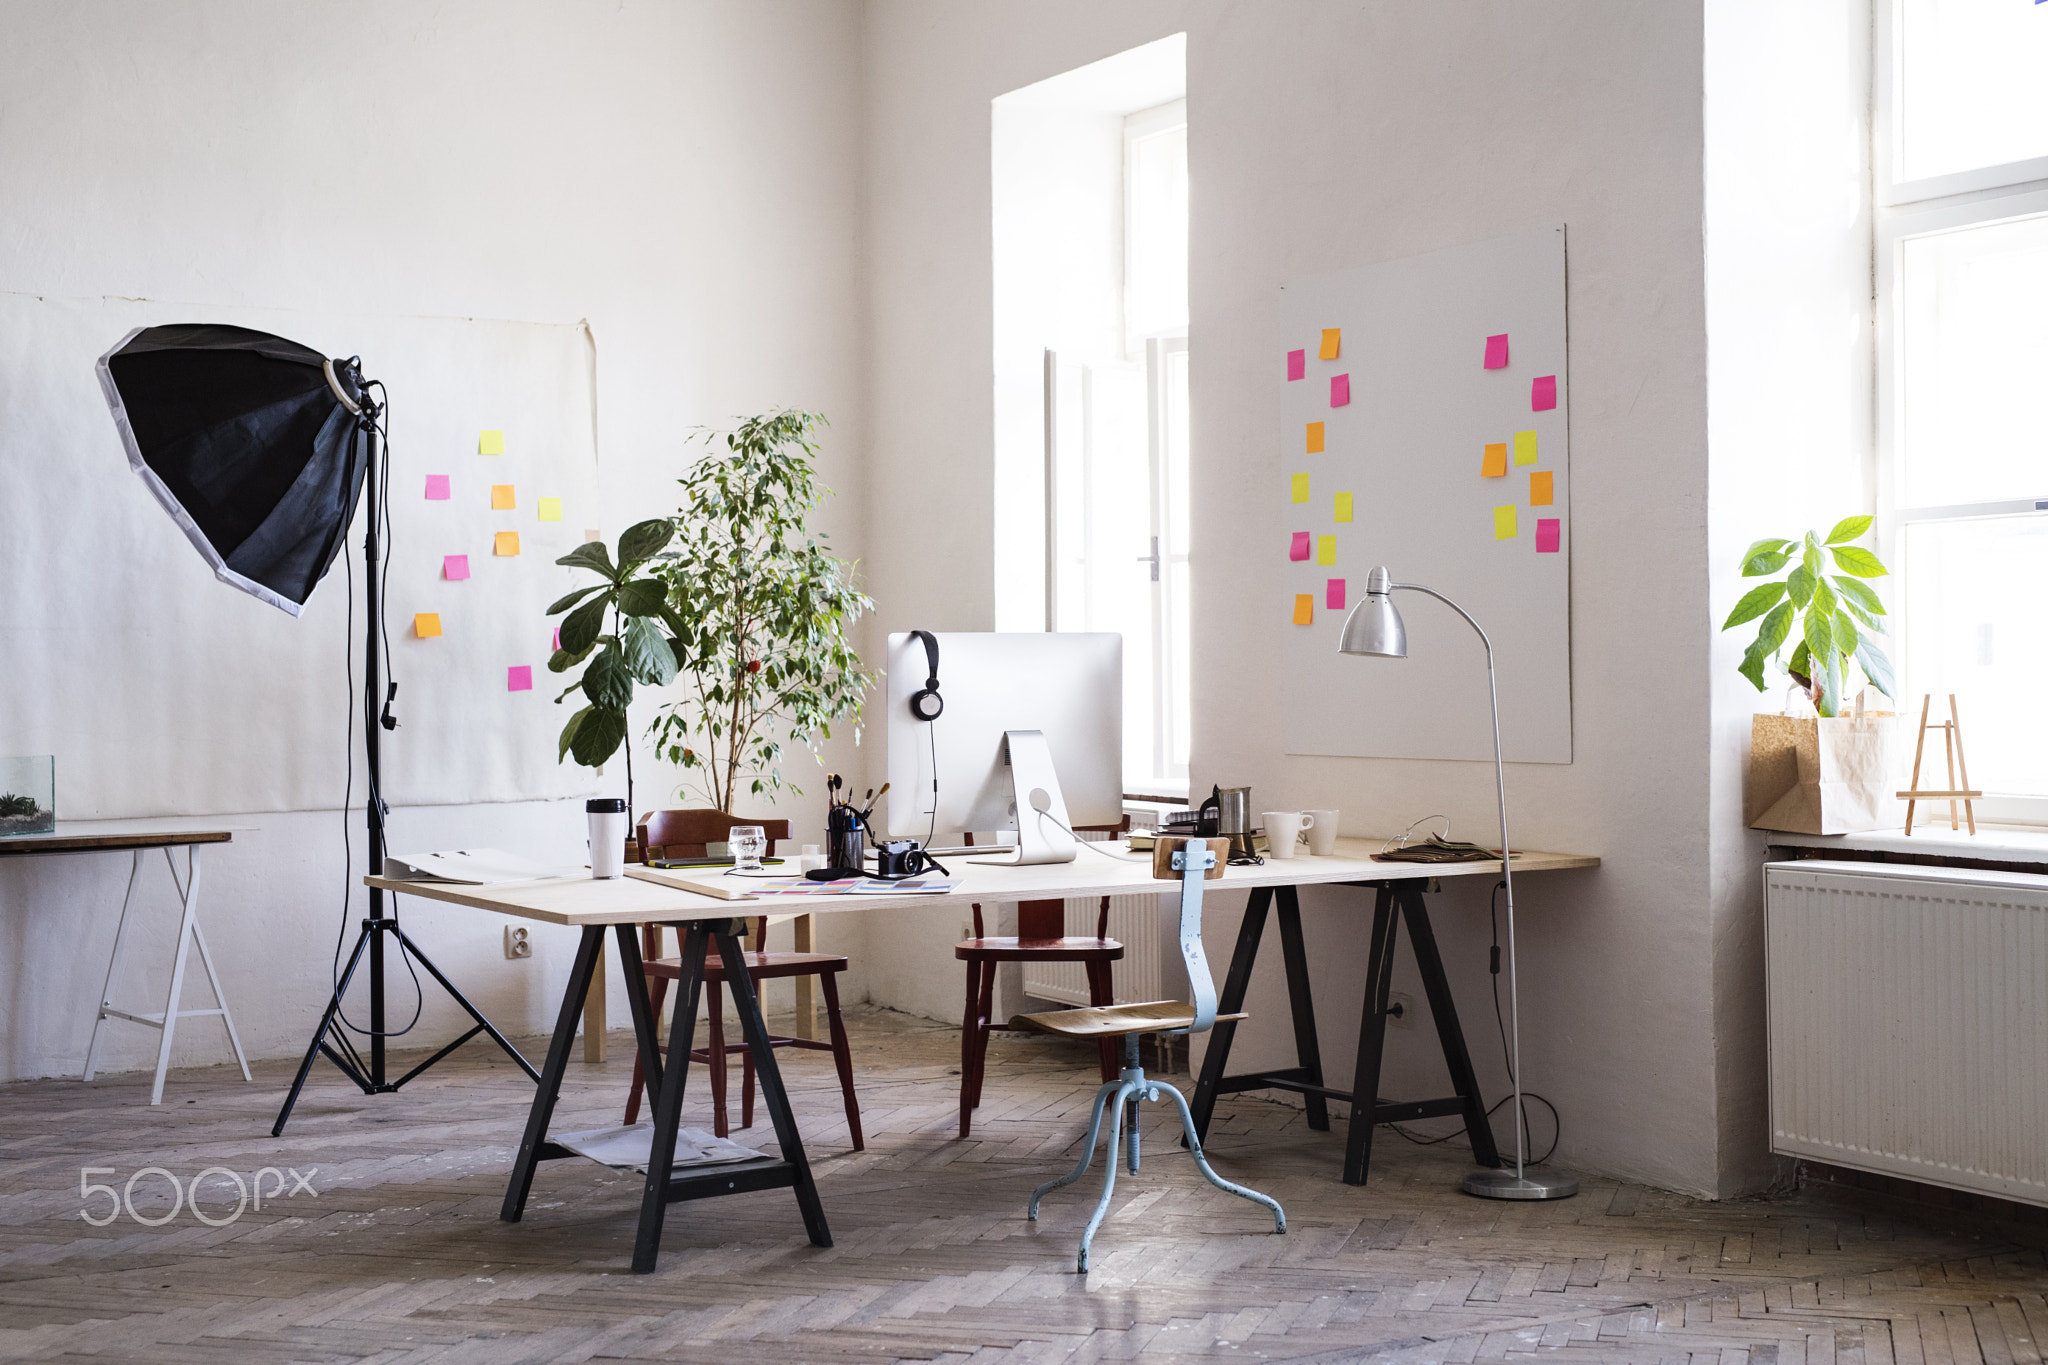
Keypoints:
(608, 682)
(1799, 586)
(643, 597)
(1829, 679)
(598, 737)
(1846, 636)
(1818, 628)
(1853, 559)
(647, 652)
(1754, 603)
(562, 660)
(569, 733)
(1860, 594)
(580, 628)
(1764, 561)
(591, 554)
(1752, 667)
(1771, 545)
(1848, 528)
(1876, 667)
(1801, 661)
(1823, 597)
(1771, 635)
(645, 541)
(564, 603)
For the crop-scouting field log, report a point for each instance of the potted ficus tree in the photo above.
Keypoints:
(760, 612)
(1826, 595)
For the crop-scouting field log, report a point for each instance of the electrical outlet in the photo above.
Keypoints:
(1400, 1010)
(518, 943)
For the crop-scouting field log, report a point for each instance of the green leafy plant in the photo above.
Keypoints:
(1836, 613)
(760, 611)
(638, 648)
(18, 807)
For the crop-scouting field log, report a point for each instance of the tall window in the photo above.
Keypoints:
(1961, 161)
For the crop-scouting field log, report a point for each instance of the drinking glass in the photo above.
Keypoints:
(748, 843)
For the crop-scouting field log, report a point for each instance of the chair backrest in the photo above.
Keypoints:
(684, 833)
(1201, 985)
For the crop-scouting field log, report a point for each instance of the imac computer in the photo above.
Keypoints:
(1005, 732)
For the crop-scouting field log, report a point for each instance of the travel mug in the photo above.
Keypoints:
(607, 836)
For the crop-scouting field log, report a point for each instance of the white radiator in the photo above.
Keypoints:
(1151, 942)
(1909, 1022)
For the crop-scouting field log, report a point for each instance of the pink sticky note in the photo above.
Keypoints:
(558, 637)
(1300, 549)
(1333, 594)
(1497, 352)
(437, 487)
(1543, 393)
(519, 678)
(1297, 364)
(1340, 390)
(454, 568)
(1546, 535)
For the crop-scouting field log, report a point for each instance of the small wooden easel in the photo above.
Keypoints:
(1952, 740)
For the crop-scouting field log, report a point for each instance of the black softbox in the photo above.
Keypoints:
(249, 442)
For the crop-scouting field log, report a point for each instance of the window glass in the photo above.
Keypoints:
(1971, 80)
(1974, 375)
(1156, 256)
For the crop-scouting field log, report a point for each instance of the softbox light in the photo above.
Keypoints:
(249, 442)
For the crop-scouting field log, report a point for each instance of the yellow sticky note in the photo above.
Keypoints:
(490, 443)
(1315, 438)
(1504, 522)
(1495, 466)
(550, 509)
(1539, 488)
(507, 542)
(1525, 447)
(1326, 549)
(1304, 608)
(1343, 507)
(1300, 488)
(426, 624)
(1329, 346)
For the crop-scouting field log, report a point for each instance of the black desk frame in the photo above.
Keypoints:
(1393, 902)
(667, 1077)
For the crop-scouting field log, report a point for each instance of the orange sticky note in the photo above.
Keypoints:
(501, 497)
(426, 624)
(1343, 507)
(1539, 488)
(490, 443)
(1329, 346)
(1495, 466)
(507, 543)
(1315, 438)
(1304, 608)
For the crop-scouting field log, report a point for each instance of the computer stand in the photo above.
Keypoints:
(1035, 799)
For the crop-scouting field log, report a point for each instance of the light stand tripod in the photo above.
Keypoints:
(370, 1074)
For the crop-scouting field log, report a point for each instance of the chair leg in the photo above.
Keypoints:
(973, 1043)
(1187, 1123)
(1101, 993)
(716, 1048)
(747, 1089)
(984, 1025)
(842, 1056)
(1102, 1098)
(656, 995)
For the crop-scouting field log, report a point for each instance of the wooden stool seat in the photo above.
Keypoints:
(1038, 949)
(1114, 1021)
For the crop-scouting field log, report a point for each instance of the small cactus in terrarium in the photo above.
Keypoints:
(28, 795)
(12, 806)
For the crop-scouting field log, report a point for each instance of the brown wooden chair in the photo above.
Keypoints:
(761, 966)
(684, 833)
(1041, 937)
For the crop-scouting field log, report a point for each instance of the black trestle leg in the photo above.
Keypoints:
(543, 1111)
(1372, 1037)
(769, 1077)
(1457, 1058)
(668, 1100)
(1308, 1051)
(1235, 984)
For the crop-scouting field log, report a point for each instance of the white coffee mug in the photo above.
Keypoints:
(1283, 828)
(1322, 833)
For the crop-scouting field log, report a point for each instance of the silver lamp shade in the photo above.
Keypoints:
(1374, 626)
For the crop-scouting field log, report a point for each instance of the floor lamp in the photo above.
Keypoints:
(1375, 628)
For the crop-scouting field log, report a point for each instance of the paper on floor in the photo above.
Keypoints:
(628, 1148)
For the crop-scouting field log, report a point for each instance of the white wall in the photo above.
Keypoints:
(683, 175)
(1321, 136)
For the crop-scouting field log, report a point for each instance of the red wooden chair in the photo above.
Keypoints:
(1041, 937)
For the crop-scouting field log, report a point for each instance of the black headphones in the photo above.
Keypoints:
(926, 703)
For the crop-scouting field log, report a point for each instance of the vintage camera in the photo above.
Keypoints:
(901, 858)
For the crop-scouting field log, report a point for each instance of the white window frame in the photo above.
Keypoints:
(1904, 211)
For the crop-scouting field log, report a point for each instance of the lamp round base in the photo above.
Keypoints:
(1534, 1183)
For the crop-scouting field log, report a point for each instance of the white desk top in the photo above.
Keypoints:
(585, 901)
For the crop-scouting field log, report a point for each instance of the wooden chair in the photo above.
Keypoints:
(684, 833)
(1041, 937)
(1193, 862)
(761, 966)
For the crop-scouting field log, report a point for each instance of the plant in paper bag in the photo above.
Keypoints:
(1833, 616)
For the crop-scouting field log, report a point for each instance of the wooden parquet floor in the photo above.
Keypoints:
(397, 1255)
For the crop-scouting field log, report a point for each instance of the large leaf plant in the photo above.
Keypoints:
(638, 648)
(1835, 613)
(761, 612)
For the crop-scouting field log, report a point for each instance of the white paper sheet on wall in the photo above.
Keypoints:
(163, 691)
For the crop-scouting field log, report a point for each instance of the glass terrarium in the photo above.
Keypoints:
(28, 794)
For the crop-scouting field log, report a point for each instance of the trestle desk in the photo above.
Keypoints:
(710, 925)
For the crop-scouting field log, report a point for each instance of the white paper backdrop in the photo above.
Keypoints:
(163, 691)
(1409, 448)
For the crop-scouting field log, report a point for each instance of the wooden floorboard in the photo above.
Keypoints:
(398, 1255)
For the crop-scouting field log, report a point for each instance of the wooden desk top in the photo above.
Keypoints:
(92, 836)
(585, 900)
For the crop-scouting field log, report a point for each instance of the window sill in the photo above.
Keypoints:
(1992, 843)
